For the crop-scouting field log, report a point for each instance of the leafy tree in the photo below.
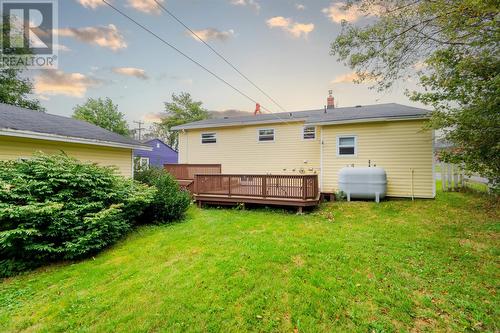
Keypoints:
(180, 111)
(103, 113)
(452, 47)
(14, 87)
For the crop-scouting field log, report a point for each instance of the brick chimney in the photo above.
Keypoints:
(330, 104)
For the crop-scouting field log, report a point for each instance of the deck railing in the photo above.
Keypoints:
(303, 187)
(188, 171)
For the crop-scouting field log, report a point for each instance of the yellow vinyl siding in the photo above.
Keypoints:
(239, 151)
(121, 158)
(397, 147)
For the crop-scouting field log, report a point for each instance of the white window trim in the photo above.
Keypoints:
(315, 133)
(355, 145)
(208, 143)
(144, 159)
(266, 129)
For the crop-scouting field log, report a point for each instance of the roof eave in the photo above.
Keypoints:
(207, 126)
(61, 138)
(367, 120)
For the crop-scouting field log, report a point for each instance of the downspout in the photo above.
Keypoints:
(412, 171)
(321, 160)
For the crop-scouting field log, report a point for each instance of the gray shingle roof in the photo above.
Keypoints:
(368, 113)
(20, 119)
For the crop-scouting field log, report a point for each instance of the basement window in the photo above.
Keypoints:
(266, 135)
(309, 132)
(208, 138)
(346, 146)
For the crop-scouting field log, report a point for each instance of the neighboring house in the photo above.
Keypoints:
(321, 142)
(24, 132)
(160, 155)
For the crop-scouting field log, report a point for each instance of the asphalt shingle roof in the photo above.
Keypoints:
(20, 119)
(367, 112)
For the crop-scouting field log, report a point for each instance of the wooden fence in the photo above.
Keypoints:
(189, 171)
(303, 187)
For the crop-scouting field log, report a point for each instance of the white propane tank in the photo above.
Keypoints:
(363, 183)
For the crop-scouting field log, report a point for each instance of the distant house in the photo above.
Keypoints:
(322, 142)
(24, 132)
(160, 154)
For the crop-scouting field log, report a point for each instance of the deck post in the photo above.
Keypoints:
(229, 178)
(304, 188)
(300, 210)
(264, 186)
(196, 185)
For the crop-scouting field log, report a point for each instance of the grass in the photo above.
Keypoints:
(428, 265)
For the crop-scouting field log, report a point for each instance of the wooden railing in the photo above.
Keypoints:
(303, 187)
(188, 171)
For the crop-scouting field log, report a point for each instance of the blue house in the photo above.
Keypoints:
(160, 155)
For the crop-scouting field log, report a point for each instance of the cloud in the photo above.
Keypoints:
(337, 12)
(287, 24)
(61, 48)
(56, 82)
(351, 78)
(230, 113)
(104, 36)
(212, 33)
(153, 117)
(145, 6)
(131, 71)
(91, 3)
(300, 6)
(250, 3)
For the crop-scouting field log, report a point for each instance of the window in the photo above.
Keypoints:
(266, 135)
(143, 163)
(208, 138)
(346, 145)
(309, 133)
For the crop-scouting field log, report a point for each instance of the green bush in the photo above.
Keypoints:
(53, 207)
(170, 202)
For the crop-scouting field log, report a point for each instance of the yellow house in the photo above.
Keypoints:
(24, 132)
(390, 136)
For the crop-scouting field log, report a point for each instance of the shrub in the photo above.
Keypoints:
(54, 207)
(170, 202)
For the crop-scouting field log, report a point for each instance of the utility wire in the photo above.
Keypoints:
(218, 54)
(180, 52)
(191, 59)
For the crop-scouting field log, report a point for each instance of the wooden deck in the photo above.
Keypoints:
(209, 186)
(284, 190)
(185, 173)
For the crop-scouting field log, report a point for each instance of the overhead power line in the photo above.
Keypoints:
(218, 54)
(190, 58)
(180, 52)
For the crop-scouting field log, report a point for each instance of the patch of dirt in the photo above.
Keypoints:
(423, 325)
(472, 244)
(298, 260)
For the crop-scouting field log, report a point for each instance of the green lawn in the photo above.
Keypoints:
(428, 265)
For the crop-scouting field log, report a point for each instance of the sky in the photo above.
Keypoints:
(281, 45)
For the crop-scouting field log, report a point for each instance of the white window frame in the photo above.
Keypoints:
(209, 133)
(355, 145)
(266, 129)
(309, 139)
(143, 166)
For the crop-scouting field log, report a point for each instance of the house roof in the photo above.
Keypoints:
(150, 141)
(20, 122)
(368, 113)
